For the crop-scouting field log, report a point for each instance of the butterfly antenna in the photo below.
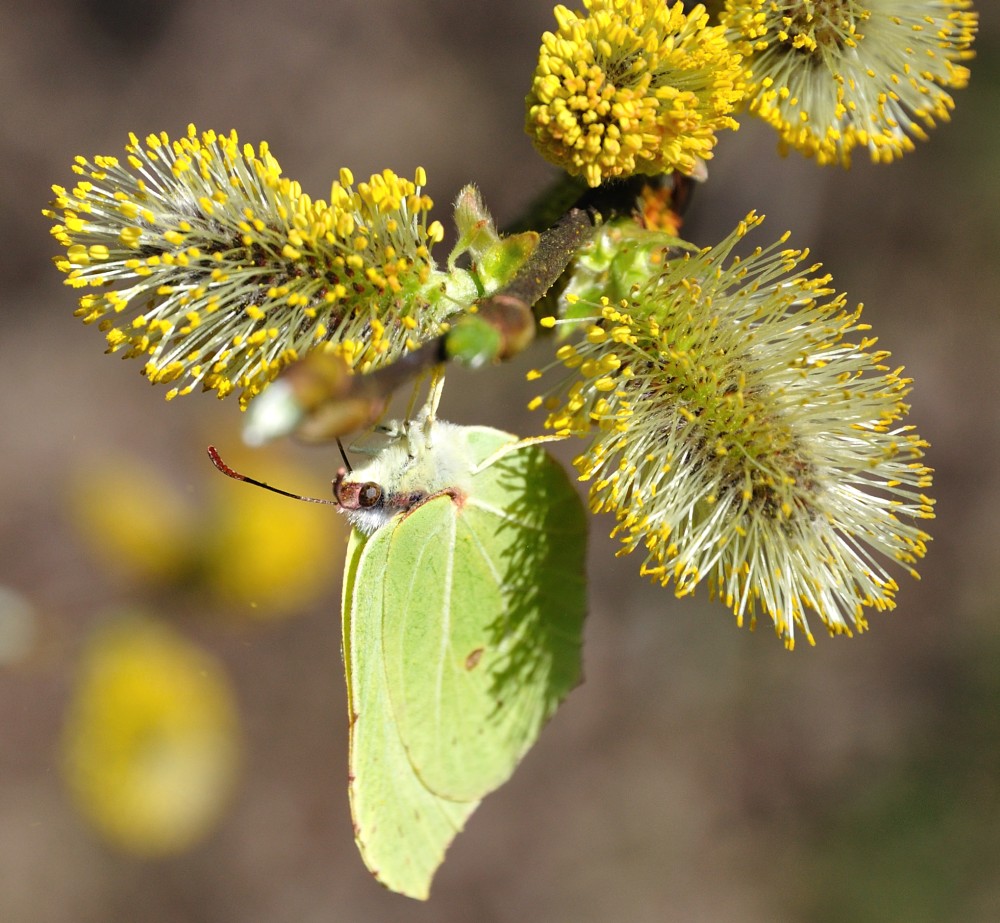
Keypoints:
(343, 455)
(213, 454)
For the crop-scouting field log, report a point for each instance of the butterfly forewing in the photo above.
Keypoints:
(480, 647)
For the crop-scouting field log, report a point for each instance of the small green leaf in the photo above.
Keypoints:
(500, 263)
(495, 259)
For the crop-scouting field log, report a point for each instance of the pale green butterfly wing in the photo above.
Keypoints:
(462, 633)
(402, 829)
(484, 600)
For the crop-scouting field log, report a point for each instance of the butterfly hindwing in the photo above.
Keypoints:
(402, 829)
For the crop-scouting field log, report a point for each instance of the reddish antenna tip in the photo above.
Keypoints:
(213, 453)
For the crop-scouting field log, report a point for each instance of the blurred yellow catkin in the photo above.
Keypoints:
(151, 744)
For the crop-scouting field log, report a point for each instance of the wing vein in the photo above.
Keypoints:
(445, 623)
(543, 528)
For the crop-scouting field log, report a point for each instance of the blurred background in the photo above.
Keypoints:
(701, 772)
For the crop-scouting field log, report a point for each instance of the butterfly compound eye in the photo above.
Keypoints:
(369, 495)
